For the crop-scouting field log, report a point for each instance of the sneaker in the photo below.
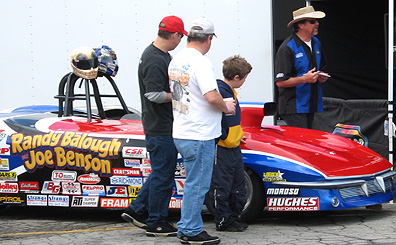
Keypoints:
(201, 238)
(137, 219)
(233, 227)
(163, 229)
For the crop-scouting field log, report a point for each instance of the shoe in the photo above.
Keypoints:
(163, 229)
(233, 227)
(201, 238)
(137, 219)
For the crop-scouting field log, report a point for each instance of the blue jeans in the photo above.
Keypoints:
(198, 157)
(156, 192)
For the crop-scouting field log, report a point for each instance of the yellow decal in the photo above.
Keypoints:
(71, 150)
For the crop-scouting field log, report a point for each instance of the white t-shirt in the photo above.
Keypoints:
(191, 76)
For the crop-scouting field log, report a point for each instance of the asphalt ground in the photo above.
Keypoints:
(39, 225)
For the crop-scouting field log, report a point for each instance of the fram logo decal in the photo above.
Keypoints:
(114, 202)
(137, 152)
(293, 203)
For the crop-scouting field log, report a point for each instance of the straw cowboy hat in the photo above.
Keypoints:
(305, 13)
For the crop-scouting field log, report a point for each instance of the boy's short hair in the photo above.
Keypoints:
(235, 65)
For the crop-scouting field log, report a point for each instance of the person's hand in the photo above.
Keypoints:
(311, 76)
(243, 139)
(230, 106)
(323, 78)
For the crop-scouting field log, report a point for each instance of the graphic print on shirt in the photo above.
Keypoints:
(178, 81)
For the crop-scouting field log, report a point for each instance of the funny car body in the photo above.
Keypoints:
(94, 156)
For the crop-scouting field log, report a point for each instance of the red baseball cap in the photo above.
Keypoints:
(172, 24)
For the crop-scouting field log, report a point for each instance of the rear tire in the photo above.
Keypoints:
(255, 197)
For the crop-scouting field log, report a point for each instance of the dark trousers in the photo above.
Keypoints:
(228, 185)
(300, 120)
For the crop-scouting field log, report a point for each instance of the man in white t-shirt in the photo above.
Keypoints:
(197, 112)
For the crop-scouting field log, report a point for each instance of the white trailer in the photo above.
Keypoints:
(39, 36)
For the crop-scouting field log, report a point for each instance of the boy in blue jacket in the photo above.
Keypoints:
(228, 181)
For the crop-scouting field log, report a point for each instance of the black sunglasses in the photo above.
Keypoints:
(312, 21)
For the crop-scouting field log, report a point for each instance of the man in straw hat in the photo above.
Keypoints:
(299, 66)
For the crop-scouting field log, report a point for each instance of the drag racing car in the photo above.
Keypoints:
(93, 155)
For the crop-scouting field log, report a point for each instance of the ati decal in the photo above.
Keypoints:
(293, 203)
(85, 201)
(273, 176)
(89, 178)
(175, 203)
(6, 187)
(283, 191)
(60, 150)
(114, 202)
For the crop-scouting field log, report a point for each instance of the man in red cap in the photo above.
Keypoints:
(150, 209)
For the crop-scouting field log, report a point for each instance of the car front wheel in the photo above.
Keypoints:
(255, 197)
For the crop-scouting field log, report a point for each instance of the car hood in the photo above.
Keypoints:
(331, 155)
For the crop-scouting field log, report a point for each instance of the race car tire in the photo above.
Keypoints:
(255, 197)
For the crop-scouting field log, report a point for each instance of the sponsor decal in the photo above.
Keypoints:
(126, 171)
(293, 203)
(85, 201)
(93, 190)
(51, 187)
(29, 187)
(71, 188)
(69, 149)
(4, 151)
(89, 178)
(146, 171)
(180, 173)
(134, 152)
(7, 187)
(62, 175)
(273, 176)
(180, 186)
(175, 203)
(36, 200)
(58, 201)
(114, 202)
(116, 191)
(133, 191)
(13, 199)
(4, 164)
(283, 191)
(126, 180)
(8, 176)
(132, 163)
(146, 162)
